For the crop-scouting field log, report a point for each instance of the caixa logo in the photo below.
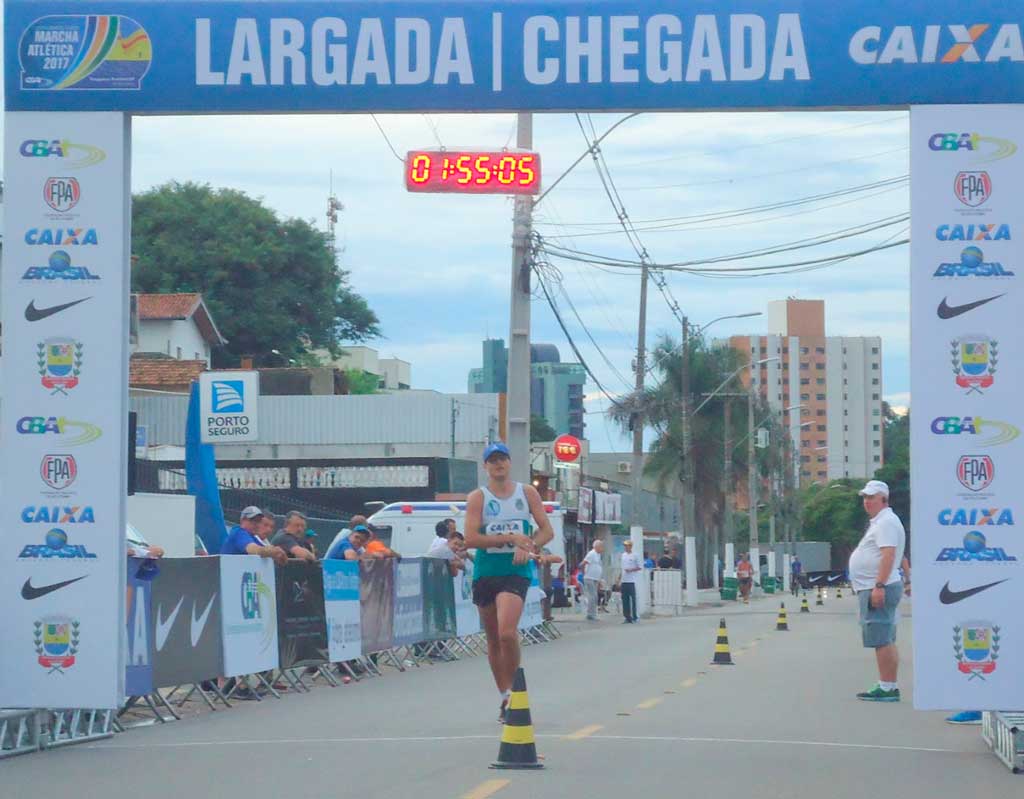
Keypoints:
(61, 237)
(975, 517)
(1000, 432)
(988, 148)
(996, 232)
(56, 514)
(71, 154)
(975, 549)
(937, 44)
(67, 430)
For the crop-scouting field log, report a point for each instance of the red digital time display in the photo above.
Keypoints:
(462, 172)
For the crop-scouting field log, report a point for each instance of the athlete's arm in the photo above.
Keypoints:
(544, 533)
(474, 520)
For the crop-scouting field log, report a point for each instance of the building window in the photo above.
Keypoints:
(179, 353)
(874, 350)
(877, 443)
(874, 366)
(846, 458)
(805, 381)
(820, 381)
(804, 350)
(876, 412)
(821, 442)
(845, 412)
(805, 473)
(820, 397)
(822, 474)
(877, 459)
(819, 366)
(846, 382)
(822, 459)
(805, 396)
(845, 397)
(846, 428)
(874, 427)
(844, 350)
(785, 366)
(874, 381)
(821, 412)
(822, 428)
(874, 397)
(805, 458)
(820, 350)
(804, 365)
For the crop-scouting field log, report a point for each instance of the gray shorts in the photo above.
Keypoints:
(878, 625)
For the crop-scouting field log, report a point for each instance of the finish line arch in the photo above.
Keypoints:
(78, 70)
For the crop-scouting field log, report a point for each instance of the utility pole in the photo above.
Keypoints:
(638, 420)
(688, 517)
(519, 321)
(727, 483)
(751, 466)
(455, 413)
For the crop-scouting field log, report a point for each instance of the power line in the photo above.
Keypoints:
(391, 147)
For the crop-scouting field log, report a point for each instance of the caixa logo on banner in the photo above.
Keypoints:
(229, 405)
(937, 44)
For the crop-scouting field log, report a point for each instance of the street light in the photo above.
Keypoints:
(710, 396)
(706, 325)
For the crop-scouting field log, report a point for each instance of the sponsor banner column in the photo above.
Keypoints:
(341, 601)
(967, 455)
(249, 614)
(64, 422)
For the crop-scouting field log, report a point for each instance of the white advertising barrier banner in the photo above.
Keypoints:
(64, 424)
(248, 594)
(341, 601)
(467, 619)
(967, 378)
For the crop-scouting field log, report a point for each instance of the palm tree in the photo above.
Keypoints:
(660, 407)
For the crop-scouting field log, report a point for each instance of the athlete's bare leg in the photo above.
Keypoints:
(489, 621)
(510, 610)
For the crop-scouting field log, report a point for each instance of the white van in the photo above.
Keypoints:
(409, 527)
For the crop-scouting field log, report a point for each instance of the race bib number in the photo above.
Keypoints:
(516, 526)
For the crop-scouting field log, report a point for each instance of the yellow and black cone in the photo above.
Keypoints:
(518, 749)
(723, 657)
(782, 624)
(819, 600)
(804, 608)
(839, 592)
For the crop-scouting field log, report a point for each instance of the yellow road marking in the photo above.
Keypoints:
(485, 789)
(584, 732)
(689, 682)
(647, 704)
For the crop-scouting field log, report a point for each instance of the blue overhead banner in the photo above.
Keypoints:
(190, 56)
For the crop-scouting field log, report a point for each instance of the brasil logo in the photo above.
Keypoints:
(98, 51)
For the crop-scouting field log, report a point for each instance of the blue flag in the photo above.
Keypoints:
(201, 477)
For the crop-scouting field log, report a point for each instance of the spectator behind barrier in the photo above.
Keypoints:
(351, 547)
(292, 539)
(374, 546)
(243, 539)
(445, 546)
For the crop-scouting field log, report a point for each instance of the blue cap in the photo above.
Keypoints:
(360, 528)
(496, 447)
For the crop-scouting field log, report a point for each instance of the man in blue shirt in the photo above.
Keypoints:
(350, 547)
(796, 569)
(242, 538)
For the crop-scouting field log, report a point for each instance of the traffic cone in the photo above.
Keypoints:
(839, 592)
(518, 749)
(819, 600)
(782, 624)
(803, 605)
(723, 657)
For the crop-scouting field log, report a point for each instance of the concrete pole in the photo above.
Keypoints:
(751, 465)
(688, 521)
(638, 420)
(727, 491)
(692, 597)
(519, 322)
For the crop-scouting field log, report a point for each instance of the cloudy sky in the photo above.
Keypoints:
(435, 268)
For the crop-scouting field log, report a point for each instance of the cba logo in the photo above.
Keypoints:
(60, 364)
(993, 149)
(252, 589)
(978, 232)
(972, 188)
(58, 267)
(61, 237)
(56, 639)
(975, 472)
(98, 51)
(62, 194)
(58, 471)
(75, 156)
(56, 546)
(974, 360)
(975, 517)
(62, 426)
(228, 396)
(1004, 432)
(972, 264)
(976, 648)
(975, 549)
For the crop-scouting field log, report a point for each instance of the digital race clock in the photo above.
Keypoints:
(462, 172)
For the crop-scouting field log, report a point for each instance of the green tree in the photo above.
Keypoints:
(834, 513)
(540, 430)
(360, 382)
(896, 470)
(270, 283)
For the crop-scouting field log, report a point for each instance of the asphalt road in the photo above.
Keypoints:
(618, 711)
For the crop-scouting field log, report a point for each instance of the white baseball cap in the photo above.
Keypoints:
(252, 512)
(874, 487)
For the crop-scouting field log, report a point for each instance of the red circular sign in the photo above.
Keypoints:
(568, 448)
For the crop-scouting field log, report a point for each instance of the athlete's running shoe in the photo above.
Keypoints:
(878, 694)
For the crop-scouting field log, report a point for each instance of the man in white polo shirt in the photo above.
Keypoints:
(874, 575)
(631, 567)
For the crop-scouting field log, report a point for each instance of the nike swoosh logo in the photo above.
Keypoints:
(29, 591)
(196, 629)
(834, 577)
(163, 626)
(947, 596)
(950, 311)
(33, 314)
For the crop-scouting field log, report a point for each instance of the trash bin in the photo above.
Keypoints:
(768, 585)
(730, 588)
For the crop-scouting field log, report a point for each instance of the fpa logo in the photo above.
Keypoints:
(973, 264)
(70, 432)
(71, 154)
(988, 148)
(1002, 432)
(974, 360)
(975, 472)
(973, 232)
(61, 237)
(942, 44)
(58, 471)
(62, 194)
(60, 363)
(228, 396)
(972, 188)
(58, 267)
